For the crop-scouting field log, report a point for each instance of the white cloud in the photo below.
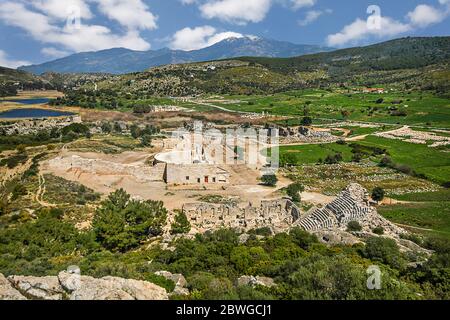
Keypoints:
(236, 11)
(297, 4)
(188, 1)
(54, 53)
(359, 30)
(133, 14)
(199, 37)
(242, 12)
(313, 15)
(5, 61)
(424, 15)
(60, 9)
(421, 17)
(87, 38)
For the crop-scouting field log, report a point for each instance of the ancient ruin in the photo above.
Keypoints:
(352, 204)
(407, 134)
(305, 135)
(276, 214)
(33, 126)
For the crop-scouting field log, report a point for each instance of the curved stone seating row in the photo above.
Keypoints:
(318, 219)
(350, 205)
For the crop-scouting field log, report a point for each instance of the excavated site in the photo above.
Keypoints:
(183, 179)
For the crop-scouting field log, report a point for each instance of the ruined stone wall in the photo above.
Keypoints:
(196, 174)
(277, 214)
(24, 127)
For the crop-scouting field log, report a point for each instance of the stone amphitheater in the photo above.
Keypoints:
(352, 204)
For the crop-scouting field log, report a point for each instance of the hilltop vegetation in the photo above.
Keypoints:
(11, 80)
(420, 63)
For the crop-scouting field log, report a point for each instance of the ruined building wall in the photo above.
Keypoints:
(278, 214)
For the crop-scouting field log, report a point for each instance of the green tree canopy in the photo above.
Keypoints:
(121, 224)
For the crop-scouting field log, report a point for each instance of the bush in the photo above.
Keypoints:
(181, 224)
(378, 230)
(306, 121)
(269, 180)
(385, 251)
(294, 190)
(334, 159)
(354, 226)
(378, 194)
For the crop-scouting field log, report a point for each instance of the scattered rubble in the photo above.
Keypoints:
(256, 281)
(27, 127)
(407, 134)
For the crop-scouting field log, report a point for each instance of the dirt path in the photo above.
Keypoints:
(413, 227)
(218, 107)
(39, 196)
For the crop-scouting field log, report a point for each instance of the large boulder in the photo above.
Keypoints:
(38, 288)
(7, 292)
(110, 288)
(178, 279)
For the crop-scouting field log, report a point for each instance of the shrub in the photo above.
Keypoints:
(385, 251)
(378, 194)
(378, 230)
(354, 226)
(269, 180)
(181, 224)
(306, 121)
(294, 190)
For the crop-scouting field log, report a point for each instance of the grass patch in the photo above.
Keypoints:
(427, 215)
(310, 154)
(433, 163)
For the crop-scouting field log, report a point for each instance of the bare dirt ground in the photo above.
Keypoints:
(244, 182)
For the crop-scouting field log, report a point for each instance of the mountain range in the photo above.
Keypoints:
(121, 60)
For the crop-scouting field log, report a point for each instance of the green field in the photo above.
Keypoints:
(441, 195)
(434, 216)
(311, 154)
(431, 162)
(421, 108)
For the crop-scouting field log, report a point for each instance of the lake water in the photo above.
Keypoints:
(28, 101)
(33, 114)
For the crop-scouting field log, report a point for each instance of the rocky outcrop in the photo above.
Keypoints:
(178, 279)
(336, 237)
(7, 292)
(70, 286)
(43, 288)
(256, 281)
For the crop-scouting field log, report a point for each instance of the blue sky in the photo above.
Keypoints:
(34, 31)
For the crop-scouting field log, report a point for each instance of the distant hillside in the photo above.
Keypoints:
(405, 53)
(121, 61)
(12, 80)
(421, 63)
